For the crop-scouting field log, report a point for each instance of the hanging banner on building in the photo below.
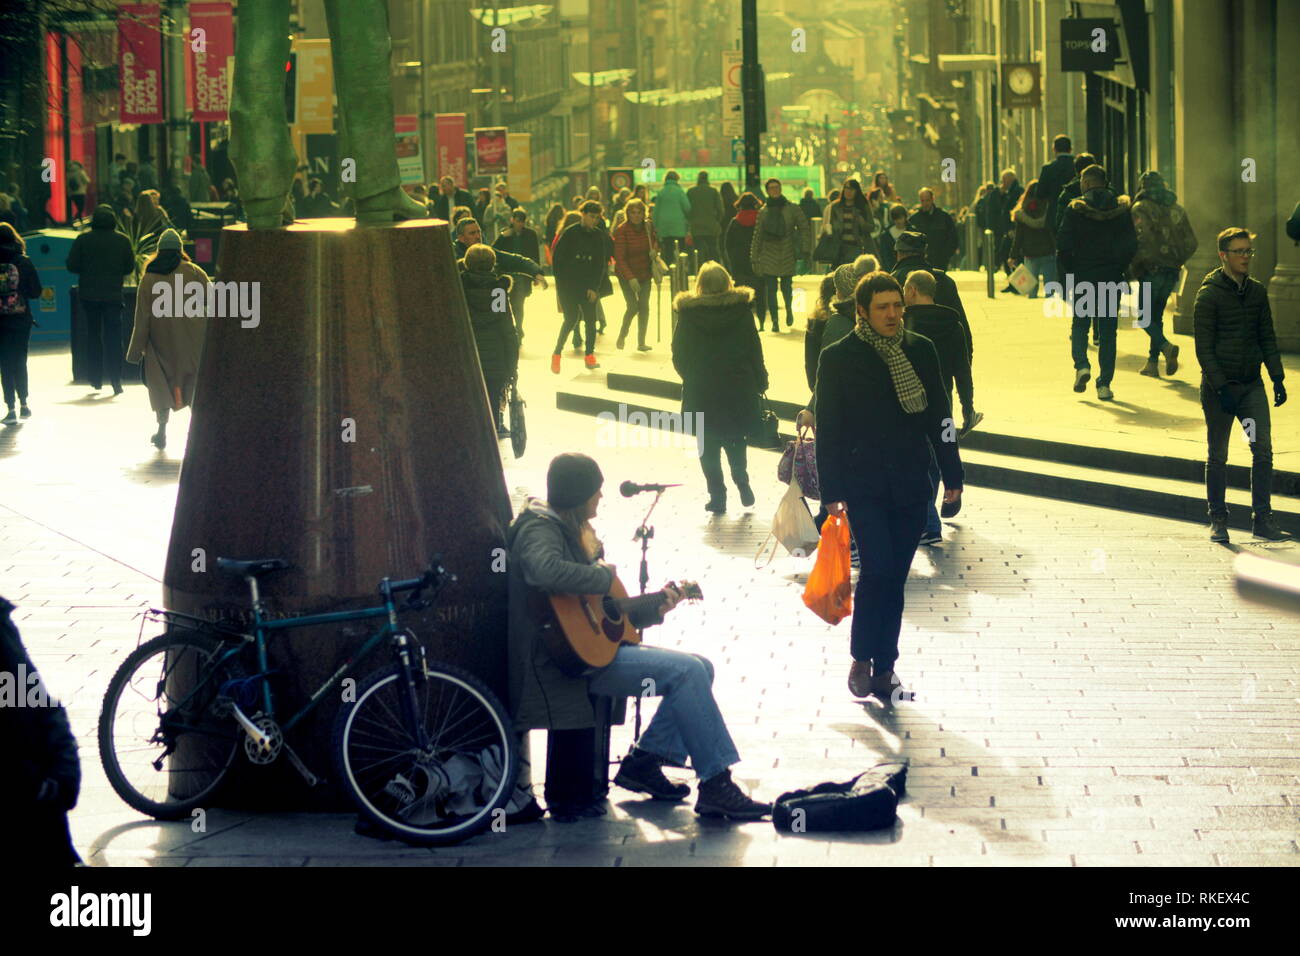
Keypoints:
(410, 164)
(733, 111)
(1088, 45)
(520, 177)
(209, 64)
(450, 131)
(139, 58)
(491, 151)
(315, 77)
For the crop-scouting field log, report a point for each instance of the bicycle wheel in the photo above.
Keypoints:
(440, 794)
(164, 740)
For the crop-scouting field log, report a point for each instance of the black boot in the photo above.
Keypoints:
(640, 772)
(720, 797)
(717, 504)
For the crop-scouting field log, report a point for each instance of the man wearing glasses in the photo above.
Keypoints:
(1234, 335)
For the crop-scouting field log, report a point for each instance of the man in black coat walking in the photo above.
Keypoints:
(1057, 173)
(1233, 325)
(520, 240)
(1096, 244)
(448, 198)
(938, 227)
(880, 409)
(942, 326)
(910, 252)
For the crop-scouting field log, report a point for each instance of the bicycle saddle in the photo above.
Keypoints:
(254, 568)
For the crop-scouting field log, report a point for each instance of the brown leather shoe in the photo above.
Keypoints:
(860, 679)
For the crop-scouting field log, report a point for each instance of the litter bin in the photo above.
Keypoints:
(48, 249)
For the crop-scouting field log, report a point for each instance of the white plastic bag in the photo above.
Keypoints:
(1022, 280)
(792, 525)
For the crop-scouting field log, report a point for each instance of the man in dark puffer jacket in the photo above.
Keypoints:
(1233, 326)
(1096, 243)
(488, 297)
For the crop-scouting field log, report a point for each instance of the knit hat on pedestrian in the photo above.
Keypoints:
(571, 479)
(911, 242)
(846, 280)
(169, 241)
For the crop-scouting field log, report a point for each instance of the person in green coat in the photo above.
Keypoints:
(671, 215)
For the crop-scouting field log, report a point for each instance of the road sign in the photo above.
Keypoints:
(738, 150)
(733, 111)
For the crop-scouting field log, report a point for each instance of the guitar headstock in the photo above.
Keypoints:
(690, 591)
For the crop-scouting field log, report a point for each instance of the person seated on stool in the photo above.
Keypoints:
(553, 548)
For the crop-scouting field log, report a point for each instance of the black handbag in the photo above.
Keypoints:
(768, 434)
(518, 429)
(827, 248)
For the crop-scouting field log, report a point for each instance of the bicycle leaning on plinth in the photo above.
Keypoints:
(426, 751)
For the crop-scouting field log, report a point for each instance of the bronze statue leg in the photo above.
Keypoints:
(362, 54)
(260, 147)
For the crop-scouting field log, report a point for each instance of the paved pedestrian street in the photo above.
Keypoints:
(1090, 689)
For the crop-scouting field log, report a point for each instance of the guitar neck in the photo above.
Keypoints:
(639, 603)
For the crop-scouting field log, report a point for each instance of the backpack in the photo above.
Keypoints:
(11, 299)
(867, 802)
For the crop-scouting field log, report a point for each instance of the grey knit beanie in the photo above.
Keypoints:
(170, 240)
(846, 280)
(571, 479)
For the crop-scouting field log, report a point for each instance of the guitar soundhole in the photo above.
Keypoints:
(612, 625)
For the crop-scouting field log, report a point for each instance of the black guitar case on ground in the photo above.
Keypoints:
(867, 802)
(577, 763)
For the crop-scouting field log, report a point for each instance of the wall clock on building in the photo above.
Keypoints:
(1020, 85)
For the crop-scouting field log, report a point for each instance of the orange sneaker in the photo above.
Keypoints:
(555, 363)
(591, 361)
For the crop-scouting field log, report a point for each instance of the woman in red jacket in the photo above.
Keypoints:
(635, 243)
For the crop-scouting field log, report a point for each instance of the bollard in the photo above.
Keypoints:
(972, 242)
(990, 251)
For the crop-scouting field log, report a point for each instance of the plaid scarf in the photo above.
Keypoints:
(911, 393)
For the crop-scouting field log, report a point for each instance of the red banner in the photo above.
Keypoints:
(210, 53)
(490, 151)
(139, 59)
(450, 129)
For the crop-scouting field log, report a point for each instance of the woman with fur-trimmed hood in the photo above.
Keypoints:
(717, 353)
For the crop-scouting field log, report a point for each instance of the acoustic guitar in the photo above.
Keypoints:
(583, 631)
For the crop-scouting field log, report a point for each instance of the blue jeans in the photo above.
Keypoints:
(688, 722)
(932, 525)
(1044, 268)
(1162, 286)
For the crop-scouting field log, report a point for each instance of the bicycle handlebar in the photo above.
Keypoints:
(434, 576)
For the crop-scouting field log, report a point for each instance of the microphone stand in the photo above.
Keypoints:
(643, 534)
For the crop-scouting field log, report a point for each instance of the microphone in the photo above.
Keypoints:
(630, 488)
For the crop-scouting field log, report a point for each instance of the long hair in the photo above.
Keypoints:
(579, 525)
(1030, 195)
(553, 217)
(728, 192)
(9, 235)
(859, 199)
(825, 292)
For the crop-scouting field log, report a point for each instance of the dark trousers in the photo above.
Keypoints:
(1107, 328)
(575, 311)
(711, 464)
(14, 334)
(1253, 413)
(887, 535)
(104, 342)
(518, 296)
(787, 293)
(1162, 282)
(706, 248)
(638, 306)
(496, 391)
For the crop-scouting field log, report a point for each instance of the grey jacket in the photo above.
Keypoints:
(546, 556)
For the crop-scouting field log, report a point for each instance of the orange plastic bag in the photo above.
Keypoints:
(828, 593)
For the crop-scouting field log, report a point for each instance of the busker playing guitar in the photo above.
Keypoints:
(554, 549)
